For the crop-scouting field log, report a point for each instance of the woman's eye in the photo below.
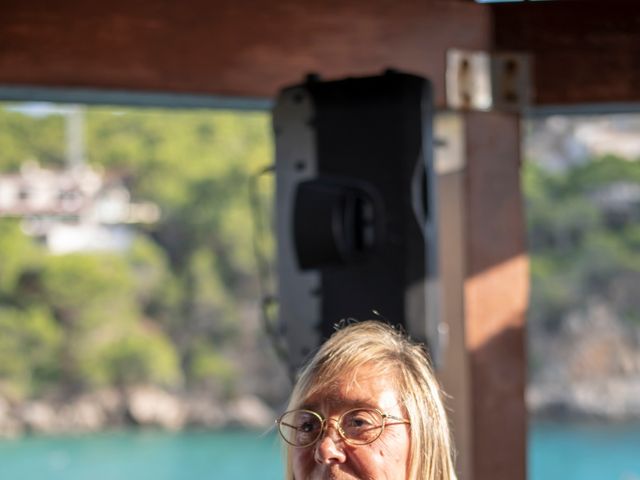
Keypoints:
(307, 427)
(358, 422)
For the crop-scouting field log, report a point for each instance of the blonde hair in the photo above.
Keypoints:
(391, 352)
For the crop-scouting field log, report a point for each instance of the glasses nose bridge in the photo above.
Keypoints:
(325, 428)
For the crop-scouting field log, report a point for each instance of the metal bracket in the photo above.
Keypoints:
(449, 154)
(477, 80)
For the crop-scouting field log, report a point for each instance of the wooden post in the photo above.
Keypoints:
(495, 296)
(485, 287)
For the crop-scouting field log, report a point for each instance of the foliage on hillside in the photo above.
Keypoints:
(584, 242)
(162, 312)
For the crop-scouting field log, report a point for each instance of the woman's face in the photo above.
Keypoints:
(331, 458)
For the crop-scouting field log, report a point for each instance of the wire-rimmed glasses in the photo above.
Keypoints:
(358, 426)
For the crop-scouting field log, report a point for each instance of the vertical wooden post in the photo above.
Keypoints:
(454, 374)
(495, 296)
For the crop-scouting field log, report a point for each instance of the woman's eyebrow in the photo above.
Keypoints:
(339, 403)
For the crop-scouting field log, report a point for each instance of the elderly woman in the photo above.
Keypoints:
(367, 406)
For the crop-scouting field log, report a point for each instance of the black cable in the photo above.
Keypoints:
(269, 300)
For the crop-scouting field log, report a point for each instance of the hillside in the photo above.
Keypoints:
(582, 190)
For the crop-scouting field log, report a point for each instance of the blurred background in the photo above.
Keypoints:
(131, 336)
(129, 293)
(581, 182)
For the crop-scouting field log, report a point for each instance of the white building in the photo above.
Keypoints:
(75, 209)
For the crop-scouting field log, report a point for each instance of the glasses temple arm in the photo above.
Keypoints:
(403, 420)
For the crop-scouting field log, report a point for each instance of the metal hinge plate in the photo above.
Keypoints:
(478, 80)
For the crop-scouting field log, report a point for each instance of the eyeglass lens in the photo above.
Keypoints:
(304, 427)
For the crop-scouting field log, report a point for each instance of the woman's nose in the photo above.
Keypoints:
(329, 449)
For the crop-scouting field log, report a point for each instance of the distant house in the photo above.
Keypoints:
(620, 201)
(76, 209)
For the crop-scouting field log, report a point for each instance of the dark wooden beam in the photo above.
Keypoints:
(583, 51)
(229, 47)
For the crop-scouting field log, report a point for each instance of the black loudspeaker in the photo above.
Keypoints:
(355, 221)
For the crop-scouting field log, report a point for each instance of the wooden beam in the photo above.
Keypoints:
(226, 47)
(583, 52)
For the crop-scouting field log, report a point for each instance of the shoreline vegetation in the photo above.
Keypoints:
(156, 324)
(582, 204)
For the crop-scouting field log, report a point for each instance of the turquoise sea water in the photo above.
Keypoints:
(556, 452)
(584, 452)
(144, 455)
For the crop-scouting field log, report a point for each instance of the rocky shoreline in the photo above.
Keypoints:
(143, 407)
(610, 400)
(587, 370)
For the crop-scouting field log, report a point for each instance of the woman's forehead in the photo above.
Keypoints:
(362, 387)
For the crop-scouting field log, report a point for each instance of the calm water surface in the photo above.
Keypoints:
(584, 452)
(556, 452)
(144, 455)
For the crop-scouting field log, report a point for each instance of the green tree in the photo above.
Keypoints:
(137, 357)
(577, 252)
(18, 253)
(30, 346)
(171, 301)
(27, 138)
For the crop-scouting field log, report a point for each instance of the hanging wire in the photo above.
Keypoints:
(262, 225)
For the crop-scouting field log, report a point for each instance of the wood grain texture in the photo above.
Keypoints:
(228, 47)
(583, 52)
(495, 296)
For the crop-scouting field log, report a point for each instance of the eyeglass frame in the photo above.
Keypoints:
(324, 422)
